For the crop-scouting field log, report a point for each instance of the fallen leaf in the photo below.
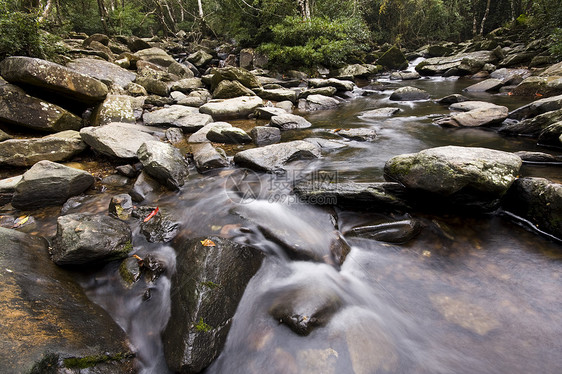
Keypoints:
(20, 221)
(152, 214)
(208, 243)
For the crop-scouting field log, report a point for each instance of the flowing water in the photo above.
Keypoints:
(468, 295)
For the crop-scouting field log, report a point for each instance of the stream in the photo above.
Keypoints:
(467, 295)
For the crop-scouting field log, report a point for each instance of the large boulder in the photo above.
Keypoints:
(189, 119)
(265, 135)
(393, 59)
(232, 73)
(115, 139)
(187, 85)
(228, 89)
(164, 163)
(537, 107)
(289, 122)
(465, 176)
(485, 86)
(549, 136)
(49, 183)
(338, 84)
(105, 71)
(474, 114)
(200, 58)
(272, 158)
(84, 239)
(357, 71)
(229, 135)
(318, 102)
(115, 108)
(539, 201)
(56, 147)
(19, 109)
(277, 94)
(48, 324)
(54, 78)
(545, 86)
(207, 157)
(409, 93)
(155, 55)
(239, 107)
(452, 64)
(532, 126)
(210, 279)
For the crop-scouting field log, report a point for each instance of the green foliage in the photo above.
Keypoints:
(202, 326)
(320, 41)
(129, 20)
(556, 46)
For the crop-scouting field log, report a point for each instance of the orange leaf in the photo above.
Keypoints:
(208, 243)
(152, 214)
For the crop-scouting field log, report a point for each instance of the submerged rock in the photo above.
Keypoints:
(272, 158)
(161, 228)
(164, 163)
(409, 93)
(380, 112)
(391, 232)
(47, 312)
(206, 289)
(90, 239)
(532, 126)
(360, 134)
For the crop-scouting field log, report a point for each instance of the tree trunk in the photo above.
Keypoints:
(304, 9)
(485, 16)
(46, 11)
(103, 16)
(200, 5)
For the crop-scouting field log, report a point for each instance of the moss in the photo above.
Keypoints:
(210, 284)
(201, 326)
(90, 361)
(128, 247)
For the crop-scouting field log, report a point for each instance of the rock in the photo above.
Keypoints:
(532, 126)
(350, 195)
(289, 122)
(229, 89)
(200, 136)
(517, 59)
(510, 76)
(439, 50)
(115, 139)
(19, 109)
(267, 112)
(49, 183)
(90, 239)
(304, 308)
(467, 176)
(156, 56)
(391, 232)
(121, 206)
(239, 107)
(207, 158)
(136, 44)
(206, 289)
(104, 71)
(380, 112)
(265, 135)
(200, 58)
(135, 90)
(232, 73)
(154, 85)
(538, 157)
(318, 102)
(357, 71)
(161, 228)
(326, 144)
(272, 158)
(187, 118)
(405, 75)
(485, 86)
(7, 188)
(475, 113)
(247, 58)
(324, 91)
(537, 107)
(174, 135)
(164, 163)
(469, 66)
(338, 84)
(196, 98)
(285, 105)
(441, 65)
(229, 135)
(187, 85)
(144, 185)
(452, 99)
(409, 93)
(360, 134)
(545, 86)
(4, 136)
(53, 78)
(47, 312)
(180, 70)
(279, 94)
(100, 38)
(115, 108)
(393, 59)
(129, 171)
(56, 147)
(549, 136)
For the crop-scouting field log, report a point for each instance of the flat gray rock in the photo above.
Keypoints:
(289, 122)
(187, 118)
(380, 112)
(272, 158)
(207, 157)
(164, 163)
(115, 139)
(103, 70)
(239, 107)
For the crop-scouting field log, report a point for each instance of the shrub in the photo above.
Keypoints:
(556, 46)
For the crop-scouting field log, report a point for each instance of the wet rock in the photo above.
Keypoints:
(265, 135)
(485, 86)
(161, 228)
(115, 139)
(267, 112)
(537, 107)
(156, 56)
(304, 308)
(47, 312)
(164, 163)
(200, 136)
(338, 84)
(239, 107)
(115, 108)
(350, 195)
(467, 176)
(272, 158)
(49, 183)
(409, 93)
(228, 89)
(441, 65)
(187, 118)
(360, 134)
(232, 73)
(4, 136)
(53, 78)
(318, 102)
(324, 91)
(551, 135)
(19, 109)
(405, 75)
(103, 70)
(7, 188)
(393, 59)
(89, 239)
(130, 271)
(474, 114)
(532, 126)
(56, 147)
(121, 206)
(326, 144)
(129, 171)
(380, 112)
(546, 86)
(538, 157)
(143, 186)
(510, 76)
(206, 289)
(391, 232)
(289, 122)
(174, 135)
(439, 50)
(207, 157)
(229, 135)
(452, 99)
(538, 200)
